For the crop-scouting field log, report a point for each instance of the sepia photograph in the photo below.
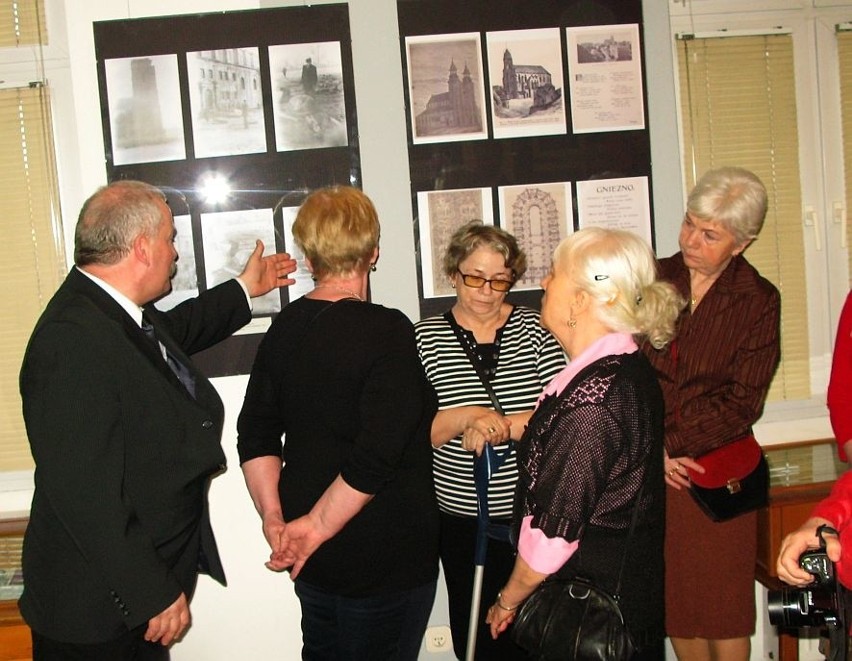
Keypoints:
(185, 282)
(229, 238)
(145, 115)
(525, 81)
(227, 102)
(308, 100)
(441, 213)
(539, 216)
(446, 88)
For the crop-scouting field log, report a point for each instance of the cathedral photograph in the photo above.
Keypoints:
(446, 88)
(525, 78)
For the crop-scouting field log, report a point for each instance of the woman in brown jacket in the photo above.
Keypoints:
(714, 377)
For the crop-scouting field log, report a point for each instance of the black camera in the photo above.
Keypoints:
(815, 605)
(822, 604)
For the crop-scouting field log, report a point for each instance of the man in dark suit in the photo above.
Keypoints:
(124, 448)
(309, 77)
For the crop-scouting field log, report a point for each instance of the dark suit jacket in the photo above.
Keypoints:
(119, 525)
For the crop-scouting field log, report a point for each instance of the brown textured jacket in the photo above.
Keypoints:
(716, 373)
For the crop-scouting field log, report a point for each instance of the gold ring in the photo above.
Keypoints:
(672, 472)
(491, 430)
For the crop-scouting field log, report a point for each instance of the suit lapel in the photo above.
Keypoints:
(80, 284)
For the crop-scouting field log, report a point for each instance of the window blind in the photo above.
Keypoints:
(22, 23)
(738, 107)
(33, 265)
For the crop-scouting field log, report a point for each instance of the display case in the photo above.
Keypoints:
(800, 475)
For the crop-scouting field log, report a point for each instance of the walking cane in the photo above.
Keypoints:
(484, 467)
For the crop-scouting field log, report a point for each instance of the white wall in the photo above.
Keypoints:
(257, 615)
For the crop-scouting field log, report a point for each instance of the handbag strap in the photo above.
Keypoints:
(634, 517)
(474, 360)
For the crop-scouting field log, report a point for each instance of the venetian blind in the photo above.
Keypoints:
(22, 23)
(32, 266)
(844, 57)
(738, 107)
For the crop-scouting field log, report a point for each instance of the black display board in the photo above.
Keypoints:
(492, 162)
(242, 105)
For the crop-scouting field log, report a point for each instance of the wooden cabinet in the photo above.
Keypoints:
(15, 639)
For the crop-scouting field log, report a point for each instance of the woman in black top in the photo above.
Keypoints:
(593, 448)
(352, 513)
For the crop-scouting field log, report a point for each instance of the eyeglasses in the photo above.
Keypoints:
(478, 283)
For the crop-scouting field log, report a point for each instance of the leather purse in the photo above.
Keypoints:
(735, 480)
(572, 619)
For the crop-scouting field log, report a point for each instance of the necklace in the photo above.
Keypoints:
(695, 297)
(343, 290)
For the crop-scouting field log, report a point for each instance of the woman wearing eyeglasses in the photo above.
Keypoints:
(518, 358)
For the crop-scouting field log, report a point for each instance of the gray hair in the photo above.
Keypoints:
(619, 271)
(112, 218)
(734, 197)
(475, 234)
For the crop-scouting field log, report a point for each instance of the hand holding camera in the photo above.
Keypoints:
(820, 602)
(796, 543)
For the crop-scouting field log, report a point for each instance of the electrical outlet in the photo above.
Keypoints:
(439, 639)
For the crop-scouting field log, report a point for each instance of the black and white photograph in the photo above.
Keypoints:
(440, 213)
(525, 81)
(303, 277)
(227, 102)
(185, 282)
(539, 216)
(307, 96)
(229, 239)
(604, 47)
(446, 88)
(145, 116)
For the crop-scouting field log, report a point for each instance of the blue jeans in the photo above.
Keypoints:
(381, 628)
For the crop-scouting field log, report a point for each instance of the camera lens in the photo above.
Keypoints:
(801, 607)
(787, 607)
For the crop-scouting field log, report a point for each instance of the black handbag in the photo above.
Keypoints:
(735, 480)
(572, 619)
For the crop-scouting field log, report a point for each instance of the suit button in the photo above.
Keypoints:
(207, 424)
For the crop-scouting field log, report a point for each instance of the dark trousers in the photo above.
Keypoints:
(458, 543)
(387, 627)
(132, 646)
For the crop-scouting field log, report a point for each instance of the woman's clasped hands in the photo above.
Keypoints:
(485, 427)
